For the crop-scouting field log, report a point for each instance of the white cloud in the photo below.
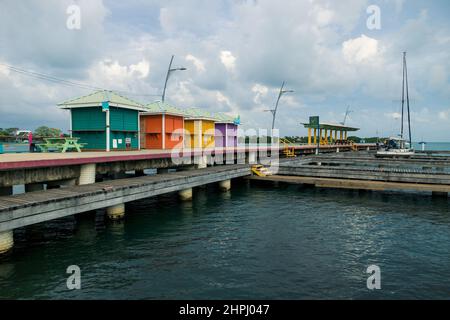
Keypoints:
(324, 16)
(393, 115)
(112, 71)
(260, 92)
(4, 70)
(199, 65)
(444, 115)
(360, 49)
(228, 60)
(237, 54)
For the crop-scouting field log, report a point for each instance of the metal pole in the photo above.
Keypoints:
(320, 135)
(407, 102)
(403, 94)
(108, 132)
(167, 78)
(274, 112)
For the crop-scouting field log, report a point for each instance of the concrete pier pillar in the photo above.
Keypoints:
(6, 241)
(252, 157)
(87, 174)
(6, 191)
(31, 187)
(116, 212)
(225, 185)
(185, 194)
(201, 162)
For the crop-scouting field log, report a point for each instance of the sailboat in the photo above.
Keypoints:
(398, 146)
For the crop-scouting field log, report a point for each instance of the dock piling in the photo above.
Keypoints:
(6, 241)
(225, 185)
(186, 194)
(116, 212)
(87, 174)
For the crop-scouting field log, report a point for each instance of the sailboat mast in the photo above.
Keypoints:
(403, 95)
(407, 101)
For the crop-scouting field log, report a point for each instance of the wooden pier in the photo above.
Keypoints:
(366, 172)
(59, 185)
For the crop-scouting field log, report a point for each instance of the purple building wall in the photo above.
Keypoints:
(230, 140)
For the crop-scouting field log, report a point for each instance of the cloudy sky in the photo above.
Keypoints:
(237, 54)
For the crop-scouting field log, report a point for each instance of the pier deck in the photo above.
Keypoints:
(25, 209)
(366, 172)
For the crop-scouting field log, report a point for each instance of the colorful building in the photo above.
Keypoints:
(105, 120)
(161, 126)
(199, 129)
(226, 130)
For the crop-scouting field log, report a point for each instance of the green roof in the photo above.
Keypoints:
(96, 98)
(223, 118)
(196, 113)
(330, 126)
(162, 107)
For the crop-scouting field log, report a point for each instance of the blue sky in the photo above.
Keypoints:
(237, 54)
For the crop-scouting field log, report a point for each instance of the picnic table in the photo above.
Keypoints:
(61, 144)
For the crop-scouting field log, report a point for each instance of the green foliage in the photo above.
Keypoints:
(354, 139)
(8, 131)
(297, 139)
(44, 131)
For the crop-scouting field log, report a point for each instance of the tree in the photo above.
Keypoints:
(44, 131)
(354, 139)
(8, 131)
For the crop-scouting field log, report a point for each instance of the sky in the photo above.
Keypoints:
(333, 54)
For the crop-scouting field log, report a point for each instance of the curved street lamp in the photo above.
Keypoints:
(274, 111)
(168, 75)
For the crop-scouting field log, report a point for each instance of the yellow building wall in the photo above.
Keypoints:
(208, 128)
(199, 133)
(189, 133)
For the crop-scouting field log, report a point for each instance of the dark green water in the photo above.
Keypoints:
(253, 242)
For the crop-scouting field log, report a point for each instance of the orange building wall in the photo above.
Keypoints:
(152, 135)
(174, 123)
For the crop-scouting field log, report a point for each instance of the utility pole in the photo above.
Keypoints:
(169, 70)
(274, 111)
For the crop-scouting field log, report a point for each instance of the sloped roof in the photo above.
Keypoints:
(96, 98)
(223, 118)
(196, 113)
(331, 126)
(162, 107)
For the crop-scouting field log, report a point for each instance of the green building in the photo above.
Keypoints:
(105, 120)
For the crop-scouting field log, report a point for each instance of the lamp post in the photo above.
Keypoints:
(168, 75)
(274, 111)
